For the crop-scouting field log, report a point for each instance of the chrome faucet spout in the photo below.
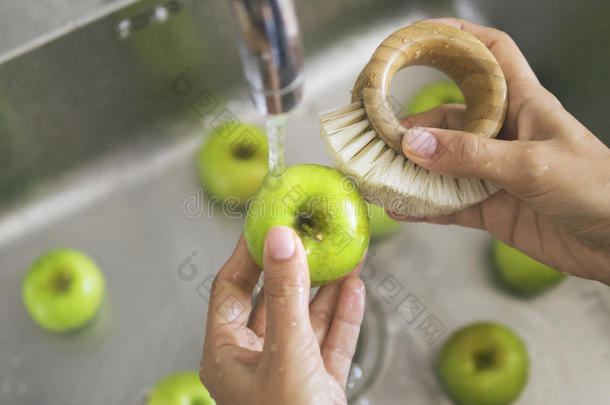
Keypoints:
(271, 52)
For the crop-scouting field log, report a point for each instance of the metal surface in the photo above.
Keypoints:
(28, 23)
(272, 53)
(122, 141)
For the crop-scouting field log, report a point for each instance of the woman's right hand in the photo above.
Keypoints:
(555, 174)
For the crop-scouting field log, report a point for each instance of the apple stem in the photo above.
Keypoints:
(309, 229)
(484, 360)
(62, 282)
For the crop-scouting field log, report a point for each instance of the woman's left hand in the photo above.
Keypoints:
(292, 351)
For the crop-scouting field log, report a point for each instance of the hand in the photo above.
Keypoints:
(292, 351)
(555, 174)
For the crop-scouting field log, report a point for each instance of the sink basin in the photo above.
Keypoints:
(99, 126)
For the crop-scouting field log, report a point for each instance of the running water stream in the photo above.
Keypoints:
(276, 134)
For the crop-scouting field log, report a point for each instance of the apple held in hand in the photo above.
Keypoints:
(381, 224)
(183, 388)
(433, 95)
(520, 273)
(63, 290)
(483, 364)
(326, 211)
(232, 162)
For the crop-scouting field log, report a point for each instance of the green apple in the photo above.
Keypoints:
(164, 49)
(433, 95)
(232, 162)
(381, 224)
(183, 388)
(520, 273)
(483, 364)
(326, 211)
(63, 290)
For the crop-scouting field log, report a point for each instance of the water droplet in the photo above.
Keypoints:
(274, 347)
(355, 375)
(417, 53)
(218, 360)
(293, 323)
(161, 14)
(124, 28)
(406, 40)
(219, 375)
(356, 372)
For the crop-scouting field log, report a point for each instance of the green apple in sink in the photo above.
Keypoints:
(232, 162)
(520, 273)
(381, 224)
(323, 207)
(433, 95)
(63, 290)
(483, 364)
(182, 388)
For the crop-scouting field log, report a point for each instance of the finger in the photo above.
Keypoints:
(323, 305)
(231, 291)
(286, 284)
(493, 215)
(462, 154)
(340, 344)
(224, 364)
(470, 217)
(514, 65)
(259, 317)
(447, 116)
(230, 301)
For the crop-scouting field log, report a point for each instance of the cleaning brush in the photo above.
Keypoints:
(365, 137)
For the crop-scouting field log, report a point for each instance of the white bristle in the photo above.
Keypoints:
(349, 132)
(387, 178)
(343, 120)
(356, 145)
(330, 115)
(364, 161)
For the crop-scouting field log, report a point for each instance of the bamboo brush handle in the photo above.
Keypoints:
(451, 50)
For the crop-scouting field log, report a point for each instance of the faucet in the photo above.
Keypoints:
(271, 53)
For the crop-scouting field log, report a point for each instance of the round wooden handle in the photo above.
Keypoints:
(451, 50)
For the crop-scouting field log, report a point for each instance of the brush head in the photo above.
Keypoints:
(385, 177)
(365, 137)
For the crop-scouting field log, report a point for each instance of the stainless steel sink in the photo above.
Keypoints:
(99, 125)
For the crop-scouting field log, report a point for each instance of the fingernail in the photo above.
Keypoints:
(420, 142)
(280, 243)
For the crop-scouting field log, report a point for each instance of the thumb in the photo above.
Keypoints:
(463, 154)
(286, 284)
